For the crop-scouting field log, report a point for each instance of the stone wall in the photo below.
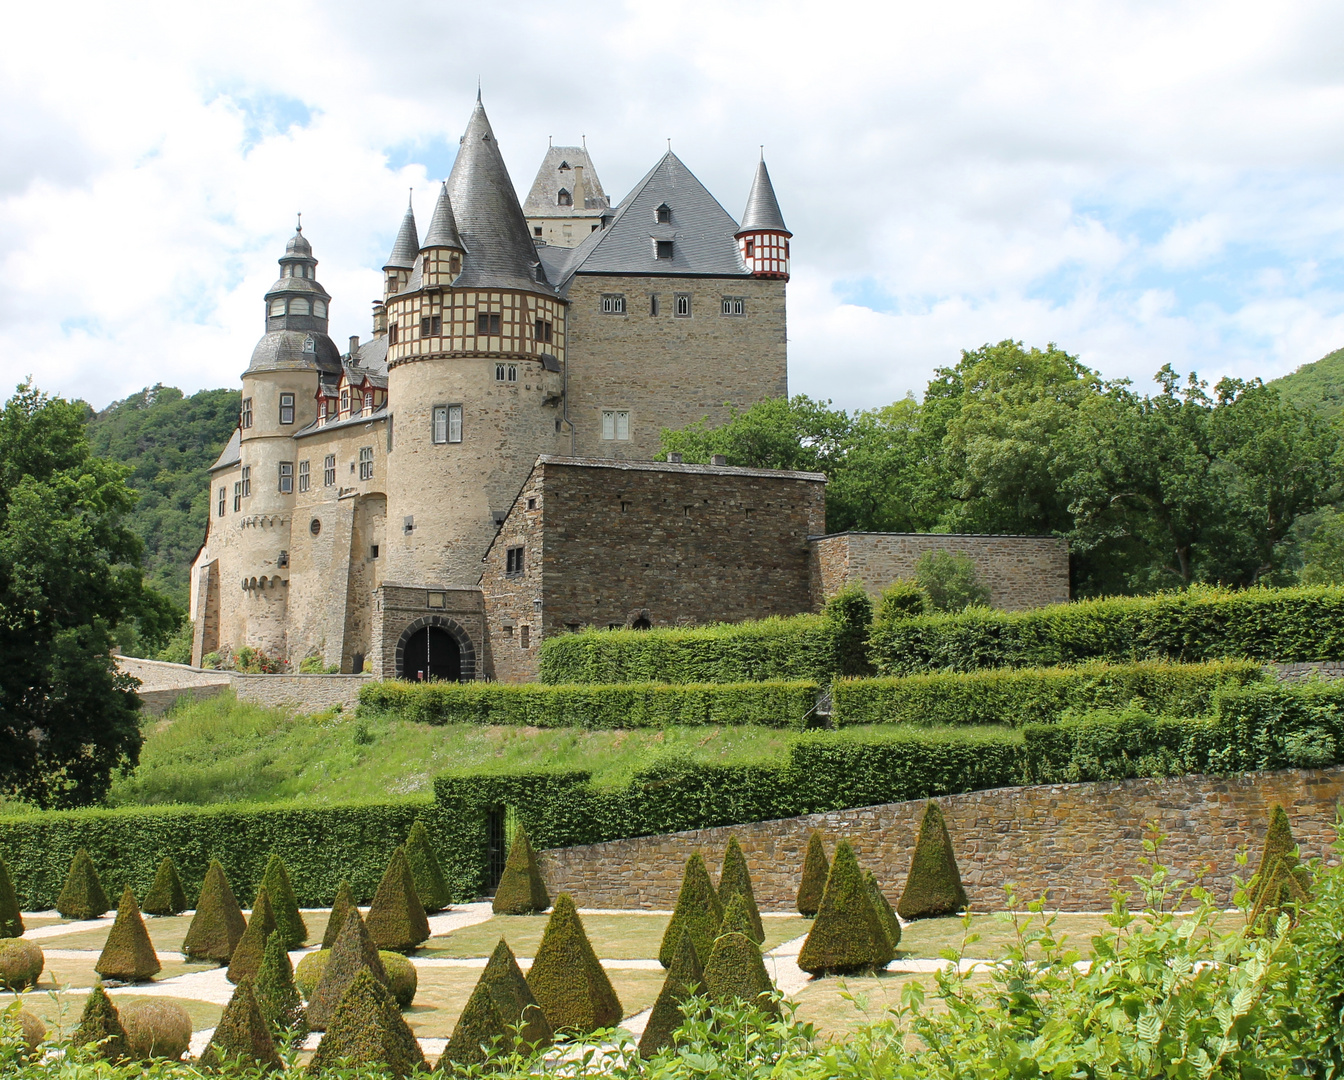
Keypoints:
(1068, 840)
(1021, 571)
(399, 610)
(306, 693)
(1304, 672)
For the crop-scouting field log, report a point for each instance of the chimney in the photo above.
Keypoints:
(354, 345)
(675, 459)
(578, 188)
(718, 459)
(379, 318)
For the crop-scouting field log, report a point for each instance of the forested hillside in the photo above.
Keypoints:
(169, 441)
(1318, 385)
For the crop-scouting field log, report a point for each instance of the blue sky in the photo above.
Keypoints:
(1139, 182)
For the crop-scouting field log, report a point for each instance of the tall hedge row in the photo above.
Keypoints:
(1286, 625)
(630, 705)
(1017, 696)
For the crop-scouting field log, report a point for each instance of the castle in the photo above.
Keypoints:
(434, 501)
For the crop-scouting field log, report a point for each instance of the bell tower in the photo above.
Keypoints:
(763, 239)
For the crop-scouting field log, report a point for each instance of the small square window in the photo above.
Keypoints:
(615, 424)
(543, 330)
(536, 230)
(513, 561)
(286, 408)
(329, 470)
(286, 478)
(282, 560)
(613, 304)
(373, 551)
(683, 305)
(664, 213)
(531, 503)
(303, 476)
(366, 462)
(662, 249)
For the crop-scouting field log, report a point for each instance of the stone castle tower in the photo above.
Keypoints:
(351, 509)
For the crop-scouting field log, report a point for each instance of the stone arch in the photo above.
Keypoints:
(454, 630)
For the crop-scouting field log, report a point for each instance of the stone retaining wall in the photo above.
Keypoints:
(1313, 670)
(310, 693)
(1068, 840)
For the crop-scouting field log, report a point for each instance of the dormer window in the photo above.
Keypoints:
(345, 400)
(309, 344)
(662, 249)
(564, 166)
(565, 198)
(751, 249)
(664, 213)
(368, 401)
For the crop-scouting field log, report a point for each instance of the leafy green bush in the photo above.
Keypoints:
(771, 704)
(1017, 696)
(950, 581)
(314, 665)
(1198, 624)
(902, 599)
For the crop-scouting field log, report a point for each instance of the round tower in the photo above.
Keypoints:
(763, 239)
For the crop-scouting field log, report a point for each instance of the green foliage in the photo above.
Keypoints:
(735, 881)
(217, 924)
(815, 871)
(100, 1027)
(156, 1028)
(566, 977)
(736, 918)
(847, 934)
(128, 954)
(166, 896)
(21, 963)
(425, 869)
(402, 980)
(1318, 386)
(885, 914)
(82, 897)
(501, 1013)
(769, 703)
(313, 665)
(1281, 885)
(684, 977)
(310, 970)
(933, 886)
(522, 890)
(1018, 696)
(353, 953)
(1323, 551)
(11, 918)
(950, 581)
(902, 599)
(850, 613)
(698, 913)
(735, 972)
(284, 905)
(242, 1037)
(366, 1029)
(396, 919)
(246, 959)
(276, 992)
(340, 907)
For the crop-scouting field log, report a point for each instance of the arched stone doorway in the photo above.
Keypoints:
(435, 647)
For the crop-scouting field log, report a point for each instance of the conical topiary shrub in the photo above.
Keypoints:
(735, 880)
(83, 896)
(340, 907)
(1280, 881)
(128, 954)
(698, 913)
(684, 978)
(246, 959)
(11, 920)
(100, 1027)
(501, 1007)
(284, 905)
(847, 934)
(353, 952)
(815, 871)
(571, 987)
(396, 919)
(736, 972)
(242, 1036)
(886, 916)
(218, 924)
(522, 891)
(736, 918)
(933, 886)
(277, 996)
(367, 1029)
(166, 896)
(430, 885)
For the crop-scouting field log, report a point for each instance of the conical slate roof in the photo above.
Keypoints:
(298, 244)
(500, 253)
(407, 246)
(762, 207)
(442, 226)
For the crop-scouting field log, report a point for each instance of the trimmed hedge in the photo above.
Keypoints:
(1285, 625)
(1036, 695)
(610, 706)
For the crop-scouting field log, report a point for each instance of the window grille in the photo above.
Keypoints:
(613, 304)
(487, 322)
(245, 414)
(286, 478)
(286, 408)
(247, 481)
(366, 462)
(303, 476)
(683, 304)
(513, 561)
(237, 495)
(615, 424)
(454, 423)
(223, 500)
(329, 470)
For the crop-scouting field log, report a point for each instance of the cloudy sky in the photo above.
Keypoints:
(1138, 182)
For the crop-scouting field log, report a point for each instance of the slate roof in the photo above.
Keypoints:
(379, 413)
(543, 199)
(762, 207)
(407, 246)
(231, 454)
(281, 349)
(442, 226)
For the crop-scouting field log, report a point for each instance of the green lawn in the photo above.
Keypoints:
(60, 1012)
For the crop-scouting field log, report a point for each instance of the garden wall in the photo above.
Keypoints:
(1070, 840)
(161, 684)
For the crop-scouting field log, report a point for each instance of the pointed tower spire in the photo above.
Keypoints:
(762, 207)
(407, 246)
(763, 239)
(443, 225)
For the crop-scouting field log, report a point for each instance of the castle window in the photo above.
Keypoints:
(366, 462)
(315, 526)
(536, 230)
(662, 249)
(277, 306)
(544, 330)
(223, 500)
(237, 495)
(247, 481)
(286, 478)
(613, 304)
(303, 476)
(513, 561)
(392, 333)
(487, 323)
(524, 636)
(298, 306)
(245, 413)
(439, 430)
(368, 402)
(751, 248)
(373, 551)
(734, 305)
(282, 560)
(431, 326)
(454, 263)
(329, 470)
(531, 503)
(320, 308)
(345, 400)
(565, 198)
(653, 305)
(286, 408)
(664, 213)
(615, 423)
(506, 373)
(683, 305)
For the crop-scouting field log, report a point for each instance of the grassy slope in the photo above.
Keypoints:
(1320, 384)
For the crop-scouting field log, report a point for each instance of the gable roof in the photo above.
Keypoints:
(558, 171)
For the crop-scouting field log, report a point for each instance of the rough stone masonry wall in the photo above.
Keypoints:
(1067, 840)
(1021, 571)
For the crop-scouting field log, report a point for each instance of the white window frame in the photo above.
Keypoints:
(245, 413)
(366, 462)
(329, 471)
(247, 481)
(438, 427)
(223, 501)
(613, 303)
(682, 310)
(734, 306)
(454, 423)
(304, 476)
(616, 425)
(286, 478)
(237, 495)
(286, 407)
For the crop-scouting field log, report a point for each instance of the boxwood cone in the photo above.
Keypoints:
(366, 1029)
(246, 959)
(397, 919)
(571, 987)
(698, 913)
(344, 901)
(847, 934)
(736, 918)
(736, 971)
(815, 870)
(684, 978)
(430, 885)
(218, 924)
(277, 996)
(284, 905)
(166, 896)
(83, 896)
(128, 954)
(1280, 880)
(933, 886)
(522, 891)
(11, 920)
(100, 1026)
(353, 952)
(735, 880)
(501, 1001)
(886, 916)
(242, 1035)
